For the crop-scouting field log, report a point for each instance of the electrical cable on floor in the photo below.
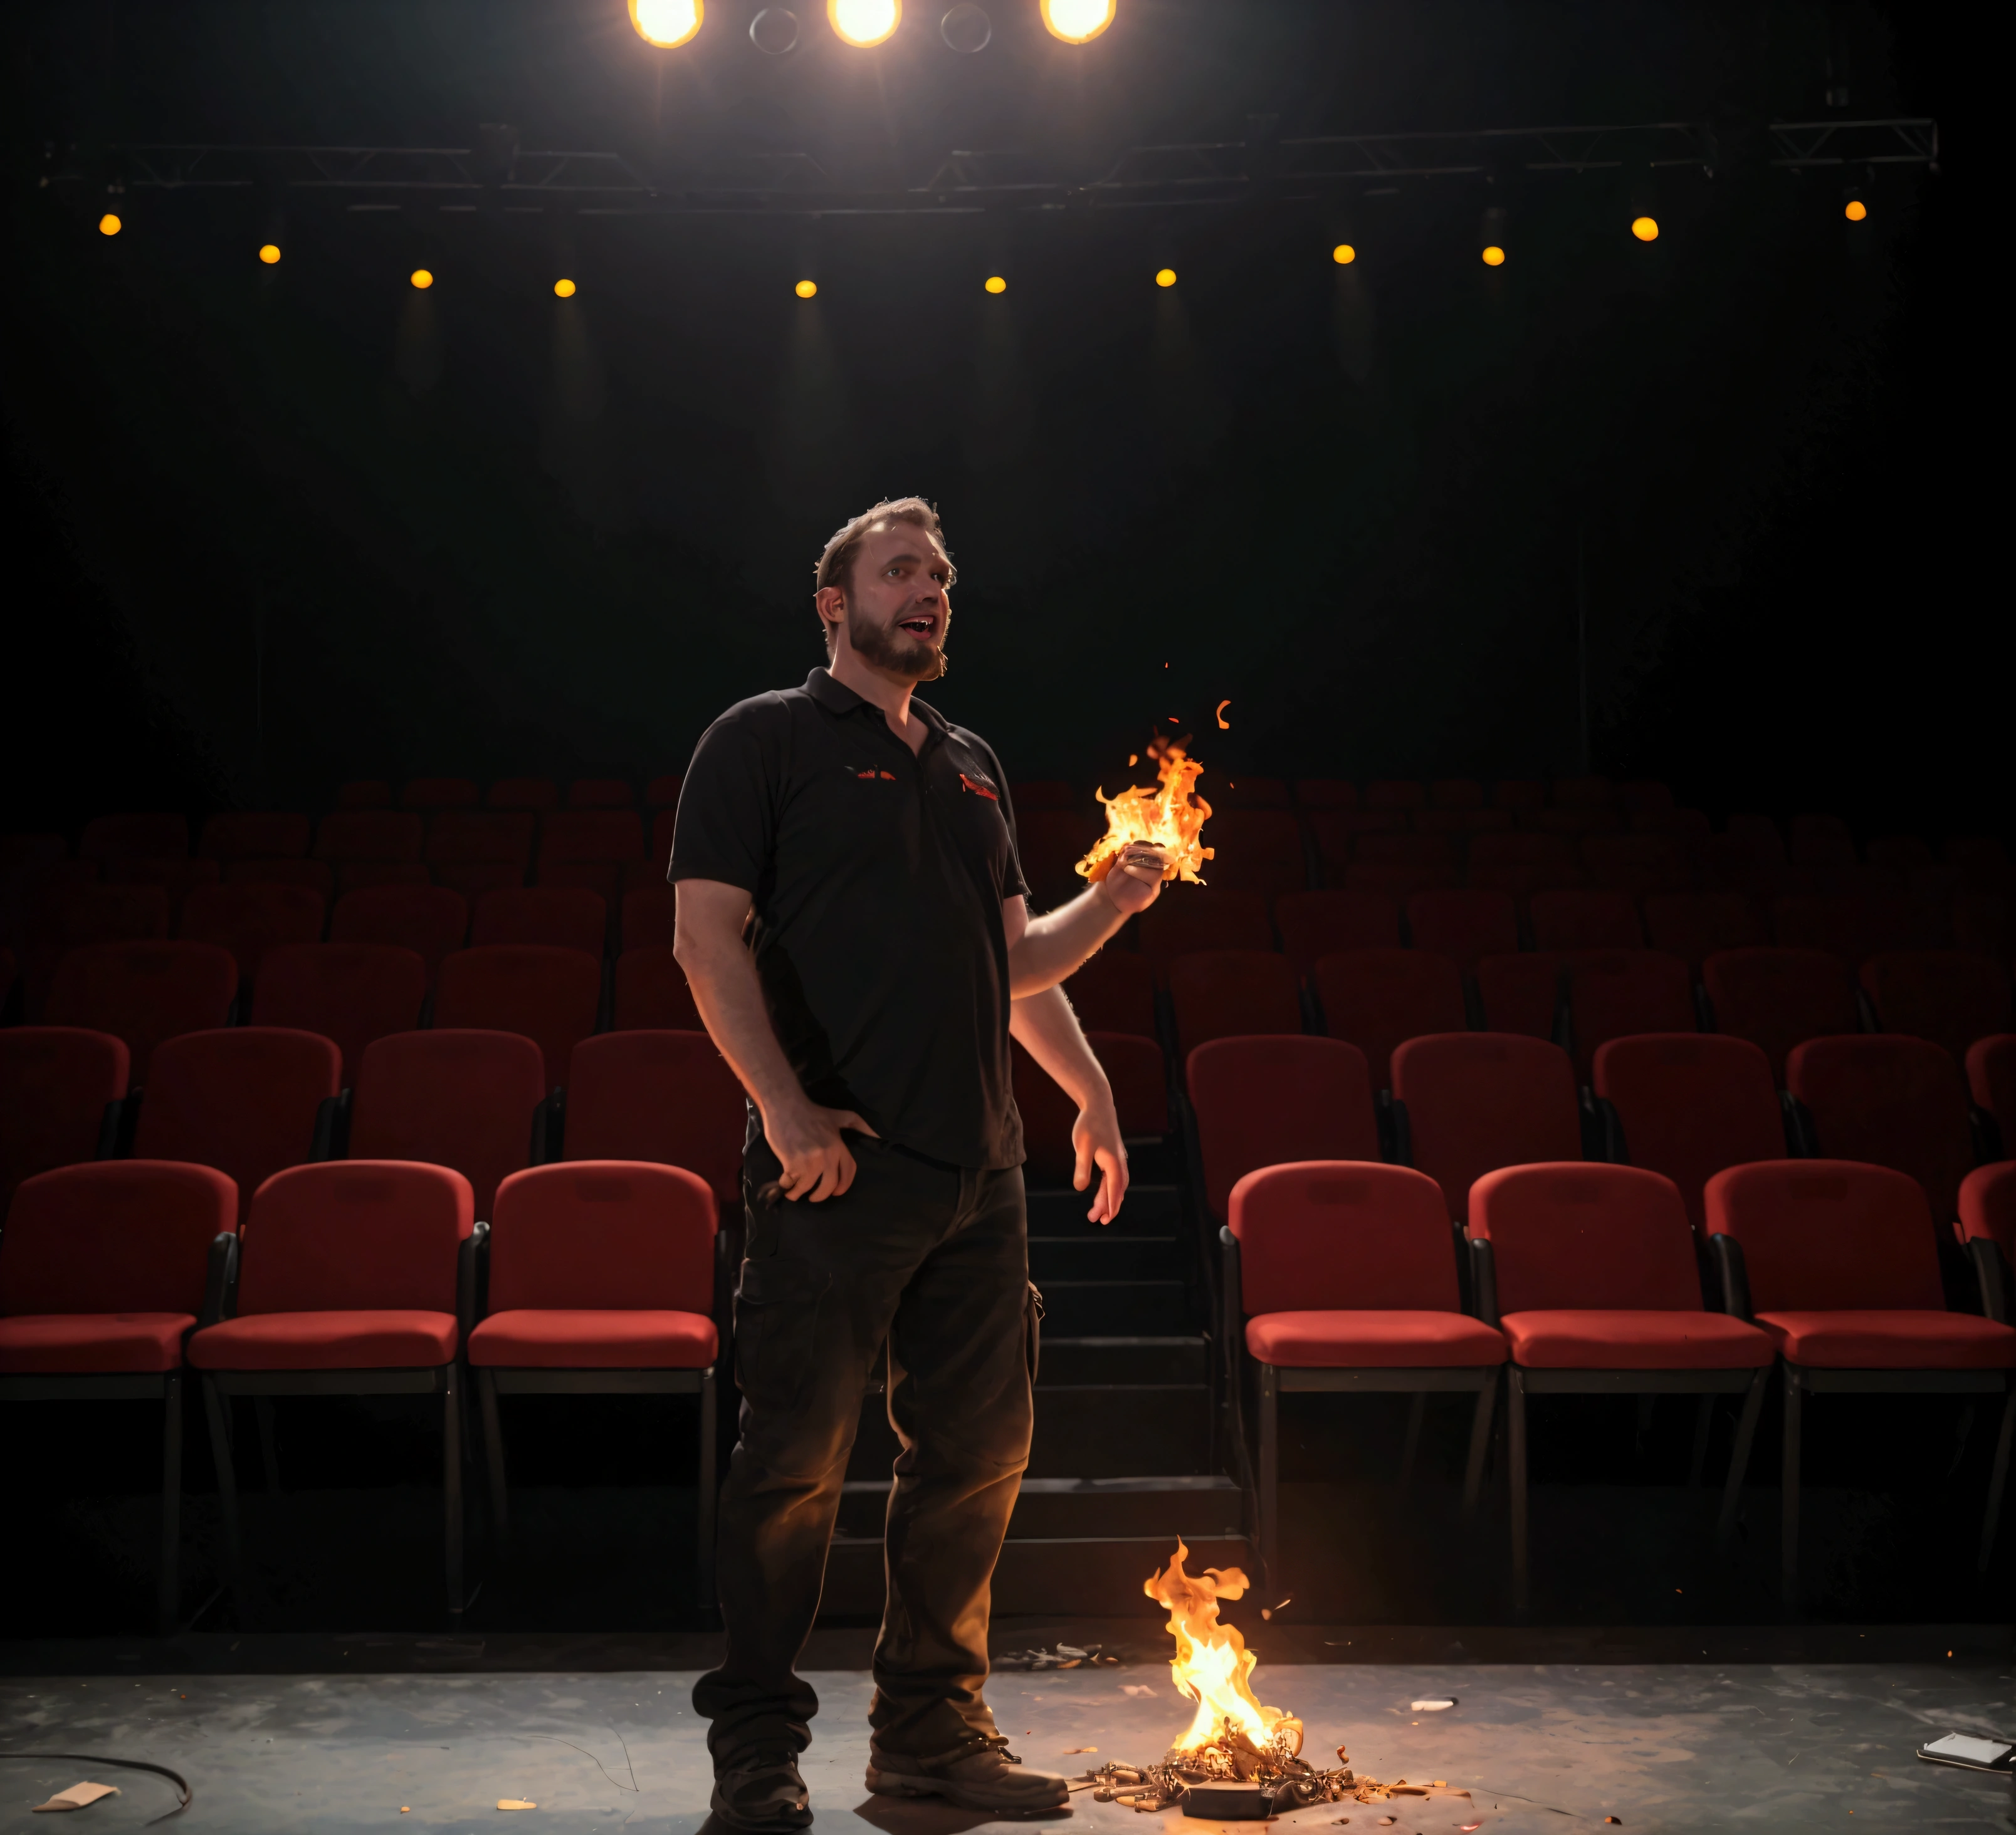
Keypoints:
(181, 1783)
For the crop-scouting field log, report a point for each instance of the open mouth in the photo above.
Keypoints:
(925, 626)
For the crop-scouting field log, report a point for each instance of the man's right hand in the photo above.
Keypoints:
(807, 1142)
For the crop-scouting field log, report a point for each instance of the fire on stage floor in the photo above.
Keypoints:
(1673, 1730)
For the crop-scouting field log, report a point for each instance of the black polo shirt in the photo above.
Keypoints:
(877, 879)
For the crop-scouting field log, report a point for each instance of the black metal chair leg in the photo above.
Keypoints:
(1739, 1458)
(710, 1487)
(452, 1487)
(1704, 1421)
(1410, 1448)
(493, 1455)
(1788, 1517)
(1480, 1441)
(269, 1448)
(1998, 1480)
(167, 1595)
(1516, 1459)
(227, 1494)
(1270, 1472)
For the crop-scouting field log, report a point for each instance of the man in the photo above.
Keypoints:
(866, 846)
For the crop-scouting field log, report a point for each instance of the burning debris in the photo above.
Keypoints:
(1063, 1656)
(1238, 1759)
(1169, 817)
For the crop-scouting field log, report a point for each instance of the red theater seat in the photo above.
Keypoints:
(250, 835)
(1980, 922)
(144, 992)
(1263, 1101)
(1316, 924)
(1522, 993)
(249, 920)
(1822, 840)
(373, 835)
(663, 792)
(1472, 1101)
(1394, 793)
(1903, 855)
(1518, 792)
(651, 992)
(1686, 1105)
(523, 792)
(590, 847)
(1375, 998)
(1613, 993)
(1326, 793)
(59, 1086)
(1204, 918)
(558, 917)
(467, 1100)
(1991, 1079)
(354, 1278)
(1341, 1276)
(1255, 851)
(601, 793)
(1590, 1273)
(1114, 991)
(1776, 997)
(1987, 1230)
(1431, 858)
(665, 826)
(549, 994)
(71, 913)
(1889, 1101)
(1044, 794)
(1947, 995)
(1139, 1081)
(1577, 918)
(351, 993)
(438, 793)
(1464, 925)
(147, 837)
(104, 1271)
(1460, 822)
(247, 1100)
(364, 793)
(1520, 864)
(1853, 925)
(1219, 993)
(315, 875)
(1334, 827)
(1837, 1261)
(650, 917)
(602, 1280)
(429, 920)
(1050, 843)
(1694, 924)
(666, 1096)
(473, 851)
(1637, 865)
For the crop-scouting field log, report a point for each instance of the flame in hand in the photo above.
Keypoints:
(1169, 817)
(1212, 1663)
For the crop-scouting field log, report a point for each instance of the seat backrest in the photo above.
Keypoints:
(1586, 1236)
(1775, 997)
(1331, 1235)
(1204, 917)
(1456, 792)
(1049, 843)
(1375, 998)
(592, 834)
(144, 992)
(1333, 828)
(665, 826)
(1395, 793)
(662, 791)
(438, 793)
(364, 792)
(1637, 864)
(1134, 1067)
(1694, 924)
(1431, 856)
(464, 1098)
(430, 920)
(1690, 1103)
(245, 834)
(560, 917)
(1460, 822)
(650, 916)
(1114, 991)
(317, 875)
(523, 792)
(652, 993)
(1890, 1101)
(1314, 925)
(1220, 993)
(547, 994)
(70, 914)
(601, 793)
(354, 1236)
(351, 993)
(1476, 1101)
(1585, 918)
(1950, 996)
(1613, 993)
(468, 835)
(1264, 1101)
(1043, 793)
(601, 1235)
(1326, 793)
(1822, 840)
(249, 920)
(1900, 853)
(1464, 925)
(55, 1082)
(118, 1235)
(1988, 1207)
(1257, 849)
(1522, 992)
(665, 1096)
(1991, 1080)
(1828, 1235)
(369, 834)
(244, 1099)
(151, 836)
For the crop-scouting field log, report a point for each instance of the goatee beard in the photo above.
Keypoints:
(879, 644)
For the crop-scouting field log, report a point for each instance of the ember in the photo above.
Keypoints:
(1169, 817)
(1232, 1740)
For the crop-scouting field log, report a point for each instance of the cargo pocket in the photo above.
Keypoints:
(776, 1330)
(1032, 1330)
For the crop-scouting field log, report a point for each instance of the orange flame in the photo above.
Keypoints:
(1212, 1663)
(1170, 817)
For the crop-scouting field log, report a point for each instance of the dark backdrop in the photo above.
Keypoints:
(272, 527)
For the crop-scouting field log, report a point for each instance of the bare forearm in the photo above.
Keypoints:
(726, 990)
(1048, 1031)
(1057, 944)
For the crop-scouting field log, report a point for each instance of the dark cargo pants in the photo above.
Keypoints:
(934, 1262)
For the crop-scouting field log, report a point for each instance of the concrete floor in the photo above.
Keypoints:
(1681, 1747)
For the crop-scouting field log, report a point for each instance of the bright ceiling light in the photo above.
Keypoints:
(1166, 277)
(269, 253)
(667, 24)
(422, 278)
(1645, 229)
(110, 224)
(1494, 257)
(1344, 254)
(1855, 210)
(564, 289)
(865, 22)
(1075, 21)
(806, 289)
(996, 284)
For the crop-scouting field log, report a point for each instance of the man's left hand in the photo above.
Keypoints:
(1134, 881)
(1096, 1138)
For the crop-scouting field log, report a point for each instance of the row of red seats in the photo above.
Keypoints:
(1340, 1276)
(507, 793)
(360, 1278)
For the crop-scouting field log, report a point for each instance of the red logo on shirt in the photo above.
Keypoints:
(979, 789)
(887, 776)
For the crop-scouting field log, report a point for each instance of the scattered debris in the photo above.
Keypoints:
(1063, 1656)
(516, 1803)
(78, 1797)
(1072, 1751)
(1431, 1704)
(1140, 1688)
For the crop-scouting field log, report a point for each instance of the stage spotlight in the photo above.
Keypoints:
(996, 284)
(667, 24)
(564, 289)
(269, 253)
(864, 23)
(109, 224)
(805, 289)
(1494, 257)
(1344, 254)
(1645, 229)
(1077, 21)
(422, 279)
(966, 28)
(774, 31)
(1856, 210)
(1166, 277)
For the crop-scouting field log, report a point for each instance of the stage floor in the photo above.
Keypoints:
(1680, 1745)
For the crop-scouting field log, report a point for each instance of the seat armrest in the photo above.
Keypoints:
(549, 1130)
(1483, 1281)
(1728, 1253)
(1989, 1271)
(1229, 1316)
(1802, 1140)
(220, 1286)
(472, 1265)
(332, 1129)
(1399, 1130)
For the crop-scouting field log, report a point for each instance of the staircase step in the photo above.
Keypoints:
(1085, 1308)
(1188, 1504)
(1069, 1361)
(1094, 1431)
(1105, 1258)
(1150, 1209)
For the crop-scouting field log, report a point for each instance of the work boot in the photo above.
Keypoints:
(760, 1793)
(988, 1778)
